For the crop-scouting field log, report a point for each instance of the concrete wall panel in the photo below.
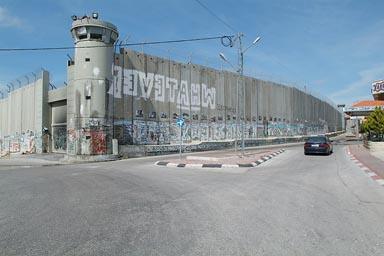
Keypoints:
(24, 113)
(157, 91)
(147, 94)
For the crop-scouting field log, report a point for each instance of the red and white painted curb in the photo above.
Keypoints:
(367, 170)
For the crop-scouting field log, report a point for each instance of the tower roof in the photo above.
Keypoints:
(88, 21)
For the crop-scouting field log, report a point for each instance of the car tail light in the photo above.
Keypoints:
(325, 145)
(307, 145)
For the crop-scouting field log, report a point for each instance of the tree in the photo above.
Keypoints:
(375, 122)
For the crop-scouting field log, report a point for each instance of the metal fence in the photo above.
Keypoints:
(376, 137)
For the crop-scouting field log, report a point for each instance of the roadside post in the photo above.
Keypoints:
(180, 123)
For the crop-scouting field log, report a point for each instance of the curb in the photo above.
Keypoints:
(367, 170)
(254, 164)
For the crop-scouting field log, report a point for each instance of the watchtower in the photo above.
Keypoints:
(89, 77)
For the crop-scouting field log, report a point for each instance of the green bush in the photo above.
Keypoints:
(374, 125)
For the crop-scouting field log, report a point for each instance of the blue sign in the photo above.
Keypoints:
(180, 122)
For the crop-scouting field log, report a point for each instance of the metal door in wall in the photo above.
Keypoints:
(59, 127)
(59, 138)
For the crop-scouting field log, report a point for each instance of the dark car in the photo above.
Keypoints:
(318, 145)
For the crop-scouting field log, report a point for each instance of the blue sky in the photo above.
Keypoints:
(333, 49)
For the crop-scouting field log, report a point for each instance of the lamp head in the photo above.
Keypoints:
(223, 56)
(256, 40)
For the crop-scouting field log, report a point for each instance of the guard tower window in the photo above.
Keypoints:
(83, 36)
(113, 37)
(96, 33)
(96, 36)
(81, 32)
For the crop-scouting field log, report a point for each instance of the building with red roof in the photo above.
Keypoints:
(364, 107)
(361, 109)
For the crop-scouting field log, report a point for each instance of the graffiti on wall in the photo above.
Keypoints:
(26, 143)
(59, 138)
(98, 142)
(160, 133)
(141, 132)
(195, 132)
(124, 133)
(219, 131)
(165, 89)
(164, 133)
(14, 147)
(71, 142)
(87, 141)
(204, 132)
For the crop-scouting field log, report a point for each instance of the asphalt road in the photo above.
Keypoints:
(290, 205)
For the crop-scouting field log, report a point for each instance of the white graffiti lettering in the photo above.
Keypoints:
(162, 88)
(195, 97)
(146, 84)
(209, 95)
(159, 88)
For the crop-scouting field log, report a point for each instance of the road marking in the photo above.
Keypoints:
(219, 165)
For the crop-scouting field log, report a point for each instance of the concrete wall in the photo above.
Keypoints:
(148, 94)
(24, 113)
(59, 94)
(3, 117)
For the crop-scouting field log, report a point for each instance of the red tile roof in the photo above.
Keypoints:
(365, 103)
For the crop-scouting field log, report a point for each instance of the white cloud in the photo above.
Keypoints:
(359, 89)
(8, 20)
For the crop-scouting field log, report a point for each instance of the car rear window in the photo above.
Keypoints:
(316, 139)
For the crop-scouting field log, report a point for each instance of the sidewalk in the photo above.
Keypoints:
(18, 159)
(374, 162)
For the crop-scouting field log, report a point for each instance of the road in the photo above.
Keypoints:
(290, 205)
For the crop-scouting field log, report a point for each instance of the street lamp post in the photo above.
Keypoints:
(341, 108)
(240, 70)
(222, 56)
